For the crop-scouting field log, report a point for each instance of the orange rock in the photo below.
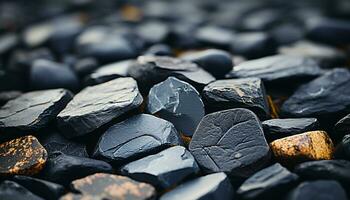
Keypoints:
(313, 145)
(24, 155)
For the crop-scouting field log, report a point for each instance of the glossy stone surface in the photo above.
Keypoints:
(343, 148)
(10, 190)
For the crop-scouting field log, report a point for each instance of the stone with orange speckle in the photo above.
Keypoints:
(24, 155)
(109, 186)
(312, 145)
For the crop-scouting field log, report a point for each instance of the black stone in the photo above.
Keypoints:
(343, 148)
(97, 105)
(213, 186)
(342, 127)
(159, 50)
(177, 102)
(260, 19)
(61, 168)
(269, 183)
(136, 137)
(321, 190)
(163, 170)
(215, 37)
(287, 33)
(8, 95)
(230, 141)
(153, 32)
(10, 190)
(85, 66)
(215, 61)
(280, 128)
(237, 93)
(42, 188)
(7, 43)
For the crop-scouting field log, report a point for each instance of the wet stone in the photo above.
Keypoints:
(269, 183)
(101, 186)
(136, 137)
(163, 170)
(230, 141)
(10, 190)
(97, 105)
(237, 93)
(313, 145)
(42, 188)
(61, 168)
(343, 148)
(33, 110)
(280, 128)
(23, 155)
(215, 186)
(342, 127)
(177, 102)
(321, 189)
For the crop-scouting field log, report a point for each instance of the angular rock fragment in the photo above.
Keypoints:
(237, 93)
(215, 186)
(343, 148)
(61, 168)
(321, 189)
(108, 186)
(23, 155)
(280, 128)
(135, 137)
(97, 105)
(230, 141)
(33, 110)
(313, 145)
(163, 170)
(10, 190)
(177, 102)
(269, 183)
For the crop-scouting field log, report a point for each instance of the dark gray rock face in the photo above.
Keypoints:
(279, 128)
(342, 127)
(33, 110)
(97, 105)
(136, 137)
(215, 186)
(269, 183)
(214, 36)
(177, 102)
(343, 148)
(230, 141)
(164, 169)
(10, 190)
(237, 93)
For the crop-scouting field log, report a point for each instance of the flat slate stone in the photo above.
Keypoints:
(136, 137)
(215, 186)
(278, 68)
(269, 183)
(10, 190)
(109, 186)
(23, 155)
(280, 128)
(33, 110)
(97, 105)
(343, 148)
(8, 95)
(177, 102)
(321, 190)
(230, 141)
(163, 170)
(237, 93)
(61, 168)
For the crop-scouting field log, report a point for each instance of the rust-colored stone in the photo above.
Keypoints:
(24, 155)
(313, 145)
(109, 186)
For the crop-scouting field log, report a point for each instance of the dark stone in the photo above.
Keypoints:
(279, 68)
(269, 183)
(287, 34)
(7, 43)
(109, 186)
(213, 186)
(85, 66)
(136, 137)
(280, 128)
(260, 20)
(10, 190)
(321, 190)
(343, 148)
(325, 96)
(32, 111)
(237, 93)
(215, 37)
(159, 50)
(342, 127)
(44, 189)
(215, 61)
(8, 95)
(153, 32)
(46, 74)
(97, 105)
(61, 168)
(230, 141)
(163, 170)
(177, 102)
